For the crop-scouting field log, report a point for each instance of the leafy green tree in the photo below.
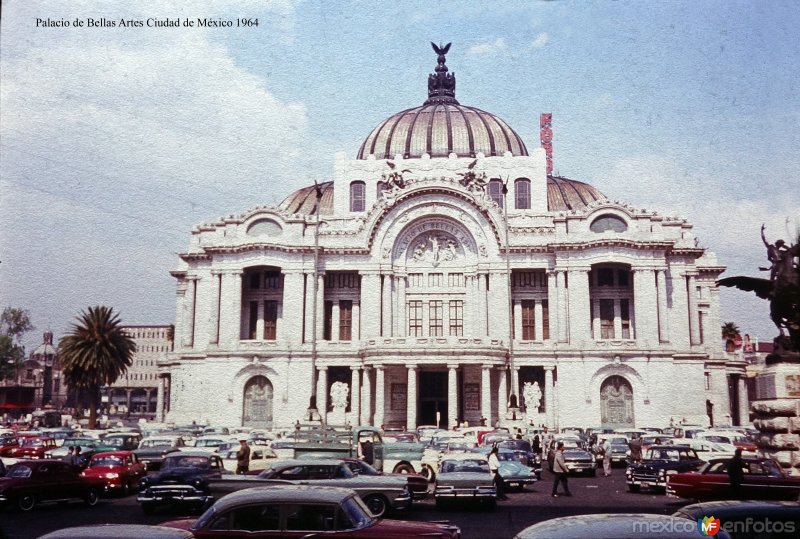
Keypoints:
(14, 323)
(94, 354)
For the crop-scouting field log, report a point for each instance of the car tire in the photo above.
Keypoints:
(428, 473)
(633, 488)
(403, 468)
(148, 508)
(92, 497)
(377, 505)
(26, 502)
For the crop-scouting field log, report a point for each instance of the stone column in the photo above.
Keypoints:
(498, 306)
(231, 310)
(308, 306)
(502, 393)
(517, 320)
(470, 309)
(579, 321)
(260, 321)
(335, 321)
(646, 306)
(321, 306)
(189, 311)
(744, 404)
(452, 395)
(663, 320)
(366, 397)
(561, 304)
(486, 394)
(322, 391)
(482, 329)
(214, 308)
(355, 330)
(355, 394)
(292, 303)
(679, 328)
(694, 320)
(538, 320)
(180, 312)
(411, 402)
(402, 327)
(386, 307)
(371, 301)
(160, 399)
(549, 401)
(515, 383)
(379, 395)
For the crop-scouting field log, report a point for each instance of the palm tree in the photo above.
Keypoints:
(95, 354)
(730, 332)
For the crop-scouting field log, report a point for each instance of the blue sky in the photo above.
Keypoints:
(114, 142)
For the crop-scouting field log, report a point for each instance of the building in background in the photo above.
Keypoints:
(38, 383)
(443, 276)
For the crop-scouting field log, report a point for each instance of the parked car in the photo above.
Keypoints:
(303, 511)
(183, 480)
(209, 443)
(118, 531)
(577, 457)
(464, 476)
(152, 450)
(260, 458)
(7, 443)
(523, 450)
(616, 526)
(120, 471)
(764, 479)
(120, 441)
(418, 484)
(734, 438)
(706, 449)
(31, 482)
(380, 493)
(748, 519)
(618, 449)
(515, 474)
(660, 462)
(35, 447)
(84, 442)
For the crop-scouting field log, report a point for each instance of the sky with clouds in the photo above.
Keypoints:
(115, 141)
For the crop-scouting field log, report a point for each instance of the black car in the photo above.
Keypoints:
(660, 462)
(183, 480)
(577, 458)
(748, 519)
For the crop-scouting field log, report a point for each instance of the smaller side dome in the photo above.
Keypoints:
(304, 201)
(564, 194)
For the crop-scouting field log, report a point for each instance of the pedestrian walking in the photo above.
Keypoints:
(635, 446)
(536, 445)
(604, 450)
(494, 466)
(736, 473)
(560, 471)
(243, 458)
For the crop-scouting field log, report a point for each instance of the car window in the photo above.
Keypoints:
(295, 472)
(310, 517)
(251, 518)
(324, 472)
(19, 471)
(718, 467)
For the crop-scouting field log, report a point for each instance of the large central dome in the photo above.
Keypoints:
(442, 126)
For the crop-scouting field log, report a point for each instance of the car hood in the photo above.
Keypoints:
(459, 479)
(576, 454)
(179, 474)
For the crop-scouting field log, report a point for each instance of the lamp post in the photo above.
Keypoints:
(313, 412)
(512, 397)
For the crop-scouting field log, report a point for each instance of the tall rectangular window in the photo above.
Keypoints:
(606, 318)
(455, 279)
(251, 333)
(415, 280)
(545, 320)
(435, 323)
(327, 321)
(272, 279)
(434, 279)
(496, 192)
(345, 320)
(625, 314)
(456, 318)
(528, 320)
(270, 320)
(522, 191)
(357, 196)
(415, 318)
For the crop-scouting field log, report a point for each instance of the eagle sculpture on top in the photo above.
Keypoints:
(782, 290)
(441, 51)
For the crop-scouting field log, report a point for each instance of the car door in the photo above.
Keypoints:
(258, 520)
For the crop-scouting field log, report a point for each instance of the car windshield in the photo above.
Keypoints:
(99, 462)
(207, 443)
(467, 465)
(619, 441)
(156, 442)
(83, 442)
(506, 457)
(184, 462)
(357, 512)
(665, 454)
(518, 445)
(114, 441)
(19, 471)
(32, 442)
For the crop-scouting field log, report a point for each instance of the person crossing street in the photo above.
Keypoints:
(560, 471)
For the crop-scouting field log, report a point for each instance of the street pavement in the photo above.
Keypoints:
(589, 495)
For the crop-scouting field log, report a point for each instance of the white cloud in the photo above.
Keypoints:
(540, 41)
(485, 48)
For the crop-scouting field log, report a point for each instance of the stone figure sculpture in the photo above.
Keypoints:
(533, 396)
(339, 396)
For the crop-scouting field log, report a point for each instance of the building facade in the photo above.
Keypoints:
(443, 276)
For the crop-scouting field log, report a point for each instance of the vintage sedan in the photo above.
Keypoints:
(31, 482)
(84, 442)
(660, 462)
(576, 456)
(120, 471)
(618, 449)
(616, 526)
(303, 511)
(748, 519)
(465, 476)
(35, 447)
(120, 441)
(261, 458)
(515, 474)
(764, 479)
(183, 480)
(152, 450)
(118, 531)
(418, 484)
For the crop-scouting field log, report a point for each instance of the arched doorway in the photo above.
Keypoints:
(616, 403)
(257, 410)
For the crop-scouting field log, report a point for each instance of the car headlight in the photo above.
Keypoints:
(662, 473)
(111, 475)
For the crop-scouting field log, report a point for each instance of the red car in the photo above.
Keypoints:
(763, 480)
(119, 470)
(35, 447)
(30, 482)
(303, 511)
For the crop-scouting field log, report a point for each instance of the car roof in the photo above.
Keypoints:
(112, 454)
(189, 454)
(463, 456)
(283, 493)
(118, 531)
(731, 509)
(607, 526)
(307, 462)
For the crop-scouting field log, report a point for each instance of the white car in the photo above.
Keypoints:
(261, 458)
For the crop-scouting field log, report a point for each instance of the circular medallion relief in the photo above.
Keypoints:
(435, 241)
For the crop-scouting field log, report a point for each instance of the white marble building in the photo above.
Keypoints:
(440, 298)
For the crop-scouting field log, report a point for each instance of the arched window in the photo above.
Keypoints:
(608, 222)
(357, 196)
(496, 191)
(522, 193)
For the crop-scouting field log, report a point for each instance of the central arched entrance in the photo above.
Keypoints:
(257, 411)
(616, 403)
